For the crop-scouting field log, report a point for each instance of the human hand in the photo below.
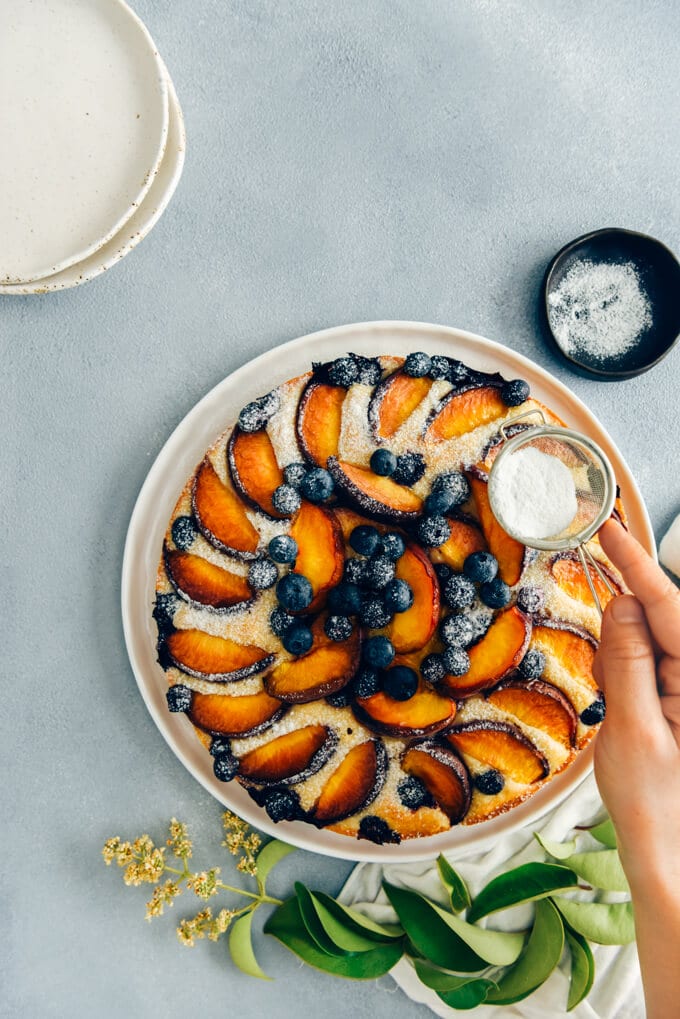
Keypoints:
(637, 752)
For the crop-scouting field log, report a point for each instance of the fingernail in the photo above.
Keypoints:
(626, 609)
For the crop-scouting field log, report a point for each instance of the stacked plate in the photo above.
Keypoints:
(93, 140)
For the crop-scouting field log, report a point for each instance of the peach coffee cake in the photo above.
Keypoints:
(353, 636)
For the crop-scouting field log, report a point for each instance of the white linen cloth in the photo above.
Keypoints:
(617, 991)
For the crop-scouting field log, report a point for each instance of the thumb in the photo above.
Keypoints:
(625, 667)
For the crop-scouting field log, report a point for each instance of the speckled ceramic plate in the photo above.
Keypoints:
(83, 127)
(138, 226)
(177, 460)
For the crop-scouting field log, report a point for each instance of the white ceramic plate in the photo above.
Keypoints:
(177, 460)
(138, 226)
(83, 128)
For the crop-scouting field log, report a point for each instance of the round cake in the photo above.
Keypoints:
(350, 631)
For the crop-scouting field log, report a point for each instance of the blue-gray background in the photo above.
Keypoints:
(346, 161)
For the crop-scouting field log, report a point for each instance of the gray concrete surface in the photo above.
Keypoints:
(348, 161)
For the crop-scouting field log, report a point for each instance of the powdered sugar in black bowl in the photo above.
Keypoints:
(612, 302)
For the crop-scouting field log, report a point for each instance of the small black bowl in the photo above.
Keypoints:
(659, 273)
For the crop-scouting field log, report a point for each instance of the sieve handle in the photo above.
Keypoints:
(585, 554)
(520, 417)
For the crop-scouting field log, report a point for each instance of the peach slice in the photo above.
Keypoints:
(423, 714)
(393, 402)
(319, 421)
(354, 784)
(373, 494)
(501, 746)
(465, 538)
(444, 775)
(214, 658)
(321, 550)
(290, 758)
(493, 446)
(220, 515)
(567, 571)
(254, 469)
(461, 412)
(222, 715)
(499, 651)
(540, 705)
(570, 646)
(197, 580)
(412, 629)
(324, 670)
(512, 556)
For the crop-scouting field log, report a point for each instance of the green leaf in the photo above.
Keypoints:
(582, 968)
(605, 923)
(269, 856)
(449, 941)
(456, 991)
(241, 947)
(313, 924)
(286, 924)
(542, 954)
(346, 938)
(602, 869)
(356, 921)
(605, 833)
(560, 850)
(522, 884)
(454, 884)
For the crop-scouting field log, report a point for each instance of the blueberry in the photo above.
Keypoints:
(369, 370)
(398, 596)
(367, 682)
(376, 829)
(262, 574)
(252, 417)
(163, 612)
(439, 502)
(294, 592)
(439, 368)
(413, 793)
(380, 572)
(294, 473)
(433, 668)
(443, 571)
(225, 767)
(343, 372)
(283, 549)
(458, 371)
(433, 531)
(530, 599)
(298, 639)
(515, 392)
(220, 745)
(489, 782)
(280, 622)
(456, 660)
(459, 592)
(345, 599)
(400, 682)
(594, 713)
(495, 593)
(455, 483)
(378, 652)
(374, 614)
(183, 532)
(338, 627)
(457, 630)
(340, 699)
(393, 545)
(269, 403)
(178, 698)
(410, 468)
(356, 572)
(364, 539)
(532, 665)
(317, 485)
(480, 567)
(286, 500)
(383, 462)
(282, 804)
(417, 365)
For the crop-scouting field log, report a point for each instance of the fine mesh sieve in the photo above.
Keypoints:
(593, 482)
